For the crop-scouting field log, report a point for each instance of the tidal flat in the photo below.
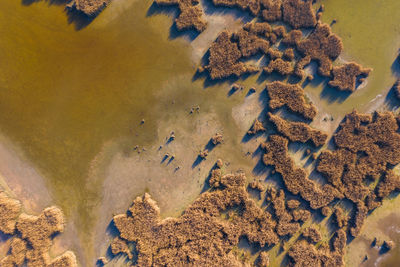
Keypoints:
(73, 96)
(69, 89)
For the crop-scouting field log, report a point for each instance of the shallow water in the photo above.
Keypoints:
(370, 33)
(64, 92)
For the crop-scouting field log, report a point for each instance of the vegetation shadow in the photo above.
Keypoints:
(173, 12)
(391, 100)
(395, 68)
(333, 94)
(210, 9)
(78, 18)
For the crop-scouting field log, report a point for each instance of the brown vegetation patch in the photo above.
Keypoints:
(299, 13)
(191, 14)
(312, 234)
(292, 204)
(9, 212)
(341, 217)
(361, 215)
(286, 225)
(31, 235)
(257, 185)
(396, 88)
(252, 5)
(217, 139)
(88, 7)
(256, 127)
(298, 131)
(200, 236)
(303, 253)
(224, 58)
(272, 10)
(249, 41)
(301, 215)
(345, 76)
(263, 259)
(291, 96)
(323, 46)
(296, 179)
(367, 146)
(280, 66)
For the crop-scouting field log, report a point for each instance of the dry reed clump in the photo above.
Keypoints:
(257, 185)
(256, 127)
(274, 53)
(299, 68)
(296, 13)
(203, 154)
(323, 46)
(191, 14)
(312, 234)
(224, 58)
(302, 253)
(296, 179)
(396, 88)
(367, 147)
(326, 211)
(361, 215)
(249, 40)
(372, 201)
(286, 225)
(299, 13)
(31, 235)
(341, 218)
(292, 38)
(288, 54)
(389, 183)
(280, 66)
(67, 259)
(298, 131)
(263, 259)
(16, 255)
(291, 96)
(344, 77)
(271, 10)
(292, 204)
(251, 5)
(119, 246)
(9, 212)
(217, 139)
(199, 237)
(90, 8)
(301, 215)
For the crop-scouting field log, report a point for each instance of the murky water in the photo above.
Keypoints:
(370, 31)
(64, 92)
